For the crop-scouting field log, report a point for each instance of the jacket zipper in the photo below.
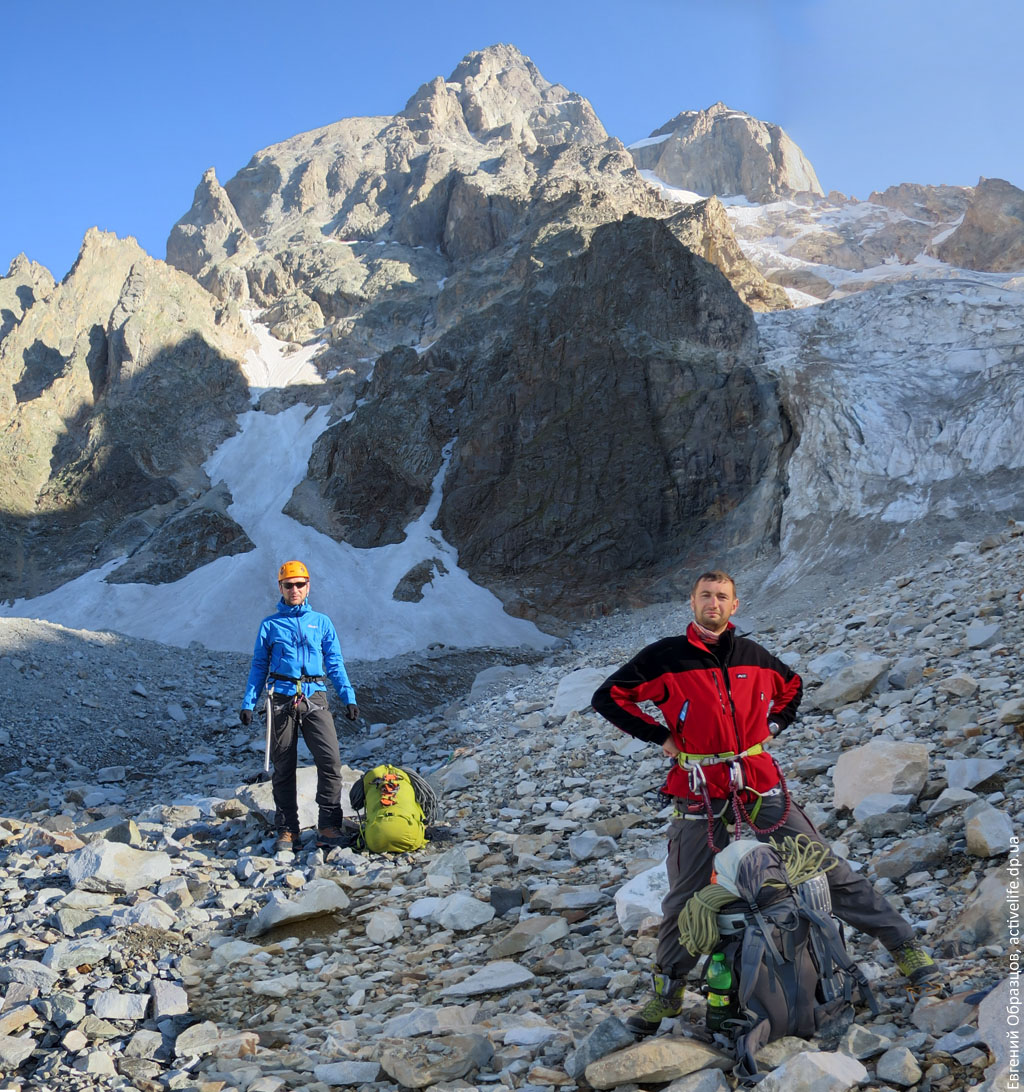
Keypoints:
(732, 707)
(732, 704)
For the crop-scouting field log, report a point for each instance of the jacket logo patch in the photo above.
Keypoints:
(741, 675)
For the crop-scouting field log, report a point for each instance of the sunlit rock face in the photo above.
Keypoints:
(726, 152)
(115, 385)
(991, 236)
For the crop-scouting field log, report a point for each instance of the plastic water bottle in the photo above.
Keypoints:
(722, 1004)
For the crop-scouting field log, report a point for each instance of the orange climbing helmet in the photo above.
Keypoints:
(291, 569)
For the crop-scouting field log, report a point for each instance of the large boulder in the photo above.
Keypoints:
(259, 796)
(575, 690)
(317, 899)
(851, 683)
(924, 852)
(816, 1071)
(989, 831)
(654, 1061)
(421, 1063)
(881, 766)
(983, 919)
(641, 897)
(115, 868)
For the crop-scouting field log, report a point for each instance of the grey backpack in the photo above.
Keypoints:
(789, 964)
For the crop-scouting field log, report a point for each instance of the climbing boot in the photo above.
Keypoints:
(666, 1003)
(287, 842)
(921, 972)
(333, 838)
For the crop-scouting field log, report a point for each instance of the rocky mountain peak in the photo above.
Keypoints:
(117, 384)
(726, 152)
(688, 120)
(502, 92)
(468, 168)
(23, 269)
(26, 283)
(211, 233)
(101, 249)
(991, 235)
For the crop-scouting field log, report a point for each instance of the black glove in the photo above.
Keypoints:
(245, 716)
(352, 712)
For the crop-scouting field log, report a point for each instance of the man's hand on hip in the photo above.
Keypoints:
(669, 749)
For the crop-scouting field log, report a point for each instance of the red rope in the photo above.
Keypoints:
(740, 813)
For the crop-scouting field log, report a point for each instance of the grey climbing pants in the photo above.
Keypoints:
(313, 719)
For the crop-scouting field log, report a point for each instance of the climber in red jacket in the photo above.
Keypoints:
(723, 697)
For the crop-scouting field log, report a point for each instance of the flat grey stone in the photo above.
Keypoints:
(493, 978)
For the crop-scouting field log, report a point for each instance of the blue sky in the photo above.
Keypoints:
(115, 109)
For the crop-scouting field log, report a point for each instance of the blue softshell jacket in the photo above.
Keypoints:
(297, 641)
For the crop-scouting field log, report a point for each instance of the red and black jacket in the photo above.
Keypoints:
(715, 700)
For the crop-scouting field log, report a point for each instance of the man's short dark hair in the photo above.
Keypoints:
(718, 577)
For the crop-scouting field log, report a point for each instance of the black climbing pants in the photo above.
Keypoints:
(854, 899)
(313, 719)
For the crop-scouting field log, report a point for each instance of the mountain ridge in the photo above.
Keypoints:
(404, 246)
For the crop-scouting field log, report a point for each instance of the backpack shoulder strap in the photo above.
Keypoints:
(752, 950)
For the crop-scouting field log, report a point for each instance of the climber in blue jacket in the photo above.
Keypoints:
(296, 651)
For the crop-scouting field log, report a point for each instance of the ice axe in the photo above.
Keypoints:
(269, 712)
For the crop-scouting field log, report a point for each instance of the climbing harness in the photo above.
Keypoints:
(299, 695)
(694, 765)
(296, 701)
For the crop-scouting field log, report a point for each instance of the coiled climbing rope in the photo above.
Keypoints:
(802, 857)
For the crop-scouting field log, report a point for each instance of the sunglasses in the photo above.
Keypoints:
(289, 584)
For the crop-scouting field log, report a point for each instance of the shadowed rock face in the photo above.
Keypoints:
(114, 386)
(201, 532)
(603, 420)
(726, 152)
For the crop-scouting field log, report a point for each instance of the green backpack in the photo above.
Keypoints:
(397, 806)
